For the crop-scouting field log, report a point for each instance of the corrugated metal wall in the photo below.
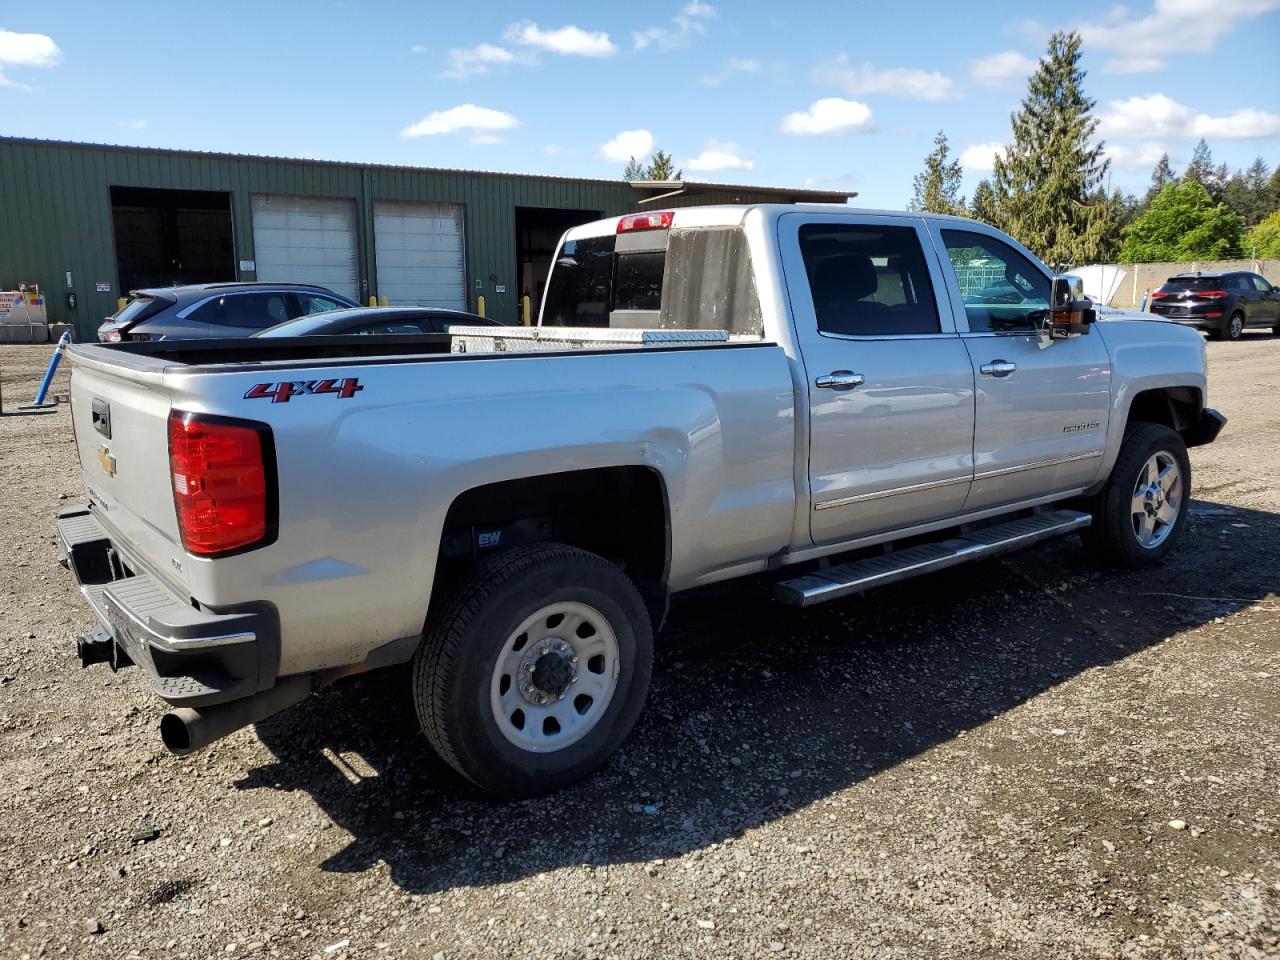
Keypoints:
(55, 212)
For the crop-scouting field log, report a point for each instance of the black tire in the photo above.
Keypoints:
(1230, 331)
(466, 633)
(1111, 538)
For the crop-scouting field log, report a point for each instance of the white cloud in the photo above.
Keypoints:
(485, 139)
(1142, 156)
(567, 41)
(719, 156)
(732, 65)
(685, 25)
(998, 69)
(466, 116)
(136, 124)
(1177, 26)
(417, 48)
(829, 115)
(478, 59)
(1159, 117)
(900, 81)
(1128, 65)
(980, 157)
(26, 50)
(552, 149)
(628, 144)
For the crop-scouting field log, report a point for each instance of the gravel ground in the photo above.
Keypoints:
(1027, 757)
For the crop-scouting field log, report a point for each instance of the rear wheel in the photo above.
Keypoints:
(533, 672)
(1141, 510)
(1235, 326)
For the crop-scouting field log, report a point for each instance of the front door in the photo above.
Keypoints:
(1041, 411)
(890, 385)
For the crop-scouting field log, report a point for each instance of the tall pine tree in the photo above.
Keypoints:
(1048, 186)
(1161, 177)
(937, 188)
(1201, 167)
(984, 203)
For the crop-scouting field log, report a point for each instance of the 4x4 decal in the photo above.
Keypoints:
(282, 392)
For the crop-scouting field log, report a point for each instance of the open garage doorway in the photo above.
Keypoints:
(538, 230)
(168, 237)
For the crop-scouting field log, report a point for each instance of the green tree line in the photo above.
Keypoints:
(1048, 187)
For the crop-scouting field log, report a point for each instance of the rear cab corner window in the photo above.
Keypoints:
(1003, 290)
(868, 280)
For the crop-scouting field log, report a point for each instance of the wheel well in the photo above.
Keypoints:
(619, 513)
(1175, 407)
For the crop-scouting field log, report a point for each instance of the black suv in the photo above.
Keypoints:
(1221, 303)
(215, 310)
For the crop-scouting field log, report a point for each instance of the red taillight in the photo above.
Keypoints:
(1158, 295)
(646, 221)
(222, 488)
(1210, 294)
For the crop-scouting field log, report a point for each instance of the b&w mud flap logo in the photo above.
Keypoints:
(283, 392)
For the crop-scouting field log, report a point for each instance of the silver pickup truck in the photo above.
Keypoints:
(840, 397)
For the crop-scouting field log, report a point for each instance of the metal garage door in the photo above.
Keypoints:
(418, 248)
(306, 240)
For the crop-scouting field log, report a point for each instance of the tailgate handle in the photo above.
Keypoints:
(102, 417)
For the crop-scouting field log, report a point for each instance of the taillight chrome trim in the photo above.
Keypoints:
(271, 481)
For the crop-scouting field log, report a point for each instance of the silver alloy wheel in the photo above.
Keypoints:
(555, 677)
(1157, 499)
(1236, 327)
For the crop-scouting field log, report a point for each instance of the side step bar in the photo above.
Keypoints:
(859, 575)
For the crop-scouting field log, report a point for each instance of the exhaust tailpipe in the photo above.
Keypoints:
(187, 729)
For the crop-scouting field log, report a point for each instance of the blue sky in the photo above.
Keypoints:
(841, 95)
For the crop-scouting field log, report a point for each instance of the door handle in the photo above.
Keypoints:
(840, 380)
(998, 368)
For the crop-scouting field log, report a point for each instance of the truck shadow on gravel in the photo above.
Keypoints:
(757, 709)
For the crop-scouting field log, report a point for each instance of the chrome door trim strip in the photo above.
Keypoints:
(881, 494)
(1055, 461)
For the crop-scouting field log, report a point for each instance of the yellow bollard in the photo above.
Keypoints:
(526, 311)
(480, 305)
(383, 301)
(373, 301)
(120, 303)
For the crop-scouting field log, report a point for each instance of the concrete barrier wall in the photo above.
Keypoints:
(1148, 276)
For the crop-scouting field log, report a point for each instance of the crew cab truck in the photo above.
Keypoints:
(841, 397)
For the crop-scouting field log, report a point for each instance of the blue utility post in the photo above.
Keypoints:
(48, 374)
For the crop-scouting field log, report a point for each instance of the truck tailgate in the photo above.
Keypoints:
(121, 428)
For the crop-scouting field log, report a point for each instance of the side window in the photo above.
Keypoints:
(578, 291)
(394, 326)
(1260, 284)
(868, 280)
(1003, 291)
(311, 303)
(252, 311)
(1239, 282)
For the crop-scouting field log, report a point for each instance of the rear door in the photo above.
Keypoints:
(890, 384)
(1041, 411)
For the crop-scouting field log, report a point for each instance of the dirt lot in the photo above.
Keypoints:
(1024, 758)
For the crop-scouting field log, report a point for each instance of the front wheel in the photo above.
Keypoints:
(1141, 510)
(533, 672)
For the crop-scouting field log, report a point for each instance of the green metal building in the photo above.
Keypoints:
(89, 222)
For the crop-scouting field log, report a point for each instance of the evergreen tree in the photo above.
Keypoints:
(1047, 186)
(1200, 168)
(1161, 177)
(662, 167)
(937, 188)
(634, 170)
(1183, 223)
(984, 204)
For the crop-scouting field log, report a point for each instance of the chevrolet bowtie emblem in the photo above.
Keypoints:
(108, 462)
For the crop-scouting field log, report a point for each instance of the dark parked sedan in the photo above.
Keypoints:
(206, 310)
(378, 321)
(1222, 304)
